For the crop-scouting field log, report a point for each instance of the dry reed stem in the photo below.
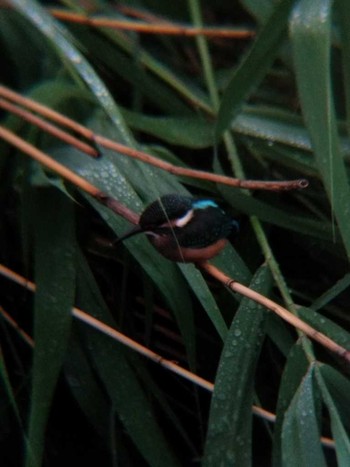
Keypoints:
(277, 309)
(89, 188)
(147, 158)
(48, 127)
(67, 174)
(160, 28)
(132, 217)
(130, 343)
(45, 111)
(8, 318)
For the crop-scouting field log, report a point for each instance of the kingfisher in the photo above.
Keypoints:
(185, 229)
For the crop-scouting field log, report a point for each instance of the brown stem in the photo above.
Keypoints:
(160, 28)
(147, 158)
(48, 127)
(67, 174)
(46, 112)
(278, 309)
(123, 339)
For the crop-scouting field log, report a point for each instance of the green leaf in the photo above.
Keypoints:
(258, 8)
(230, 421)
(74, 59)
(295, 369)
(86, 389)
(343, 19)
(341, 437)
(301, 433)
(166, 277)
(120, 379)
(119, 176)
(311, 38)
(109, 54)
(173, 78)
(280, 334)
(14, 32)
(275, 126)
(275, 215)
(254, 66)
(201, 289)
(191, 132)
(55, 279)
(339, 389)
(326, 326)
(332, 293)
(168, 408)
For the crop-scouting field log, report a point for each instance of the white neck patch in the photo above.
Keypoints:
(182, 221)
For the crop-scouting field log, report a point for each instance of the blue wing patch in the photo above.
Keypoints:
(204, 203)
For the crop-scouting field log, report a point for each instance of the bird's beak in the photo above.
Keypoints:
(130, 233)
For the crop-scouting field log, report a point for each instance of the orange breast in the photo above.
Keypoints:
(187, 255)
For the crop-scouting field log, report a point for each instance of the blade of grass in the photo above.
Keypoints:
(294, 370)
(102, 48)
(343, 17)
(229, 430)
(85, 387)
(254, 66)
(172, 78)
(338, 386)
(341, 437)
(311, 30)
(260, 10)
(55, 278)
(300, 433)
(323, 324)
(76, 62)
(202, 45)
(201, 289)
(276, 216)
(120, 380)
(331, 293)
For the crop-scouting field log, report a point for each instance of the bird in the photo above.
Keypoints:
(185, 229)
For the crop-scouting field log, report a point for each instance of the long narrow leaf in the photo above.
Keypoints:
(341, 437)
(121, 381)
(230, 422)
(294, 371)
(254, 66)
(311, 37)
(55, 278)
(301, 433)
(61, 39)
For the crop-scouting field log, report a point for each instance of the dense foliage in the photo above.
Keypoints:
(274, 105)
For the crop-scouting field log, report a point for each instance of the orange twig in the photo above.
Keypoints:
(15, 326)
(46, 112)
(130, 343)
(223, 179)
(122, 210)
(278, 309)
(160, 28)
(48, 127)
(147, 158)
(47, 161)
(116, 335)
(67, 174)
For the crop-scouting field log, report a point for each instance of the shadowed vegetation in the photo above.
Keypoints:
(261, 94)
